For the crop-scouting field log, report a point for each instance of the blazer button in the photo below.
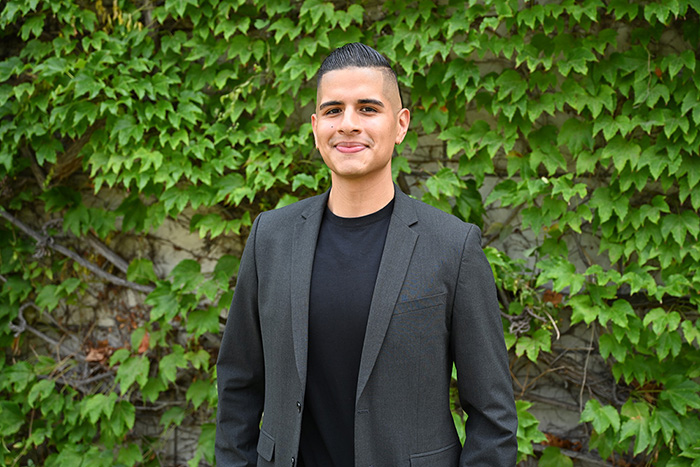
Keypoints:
(294, 461)
(299, 406)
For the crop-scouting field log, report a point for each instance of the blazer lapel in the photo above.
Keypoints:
(398, 249)
(303, 248)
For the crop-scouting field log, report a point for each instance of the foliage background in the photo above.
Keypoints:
(573, 124)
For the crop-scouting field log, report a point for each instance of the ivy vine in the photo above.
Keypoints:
(574, 124)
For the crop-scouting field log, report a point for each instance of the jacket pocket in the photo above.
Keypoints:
(443, 457)
(266, 446)
(419, 304)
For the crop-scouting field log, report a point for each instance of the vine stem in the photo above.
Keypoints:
(585, 370)
(48, 241)
(59, 348)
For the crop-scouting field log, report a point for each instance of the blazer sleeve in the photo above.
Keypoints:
(481, 359)
(240, 369)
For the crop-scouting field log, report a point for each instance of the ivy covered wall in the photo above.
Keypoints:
(572, 125)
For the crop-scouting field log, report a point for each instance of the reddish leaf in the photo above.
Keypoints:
(96, 355)
(145, 342)
(552, 297)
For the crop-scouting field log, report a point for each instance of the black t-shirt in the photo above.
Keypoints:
(345, 268)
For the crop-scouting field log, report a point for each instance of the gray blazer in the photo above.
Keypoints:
(434, 303)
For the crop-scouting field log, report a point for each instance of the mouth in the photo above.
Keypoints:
(350, 147)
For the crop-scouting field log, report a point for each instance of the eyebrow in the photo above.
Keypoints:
(371, 101)
(359, 101)
(329, 104)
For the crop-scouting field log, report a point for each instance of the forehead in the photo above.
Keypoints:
(353, 82)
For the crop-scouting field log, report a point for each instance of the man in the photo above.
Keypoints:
(351, 307)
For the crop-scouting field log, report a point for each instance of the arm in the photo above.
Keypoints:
(241, 371)
(483, 375)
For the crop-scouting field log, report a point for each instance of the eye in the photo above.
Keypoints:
(331, 111)
(367, 109)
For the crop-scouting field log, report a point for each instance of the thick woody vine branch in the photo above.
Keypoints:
(48, 242)
(22, 326)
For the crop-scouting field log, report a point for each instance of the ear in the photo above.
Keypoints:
(314, 123)
(404, 119)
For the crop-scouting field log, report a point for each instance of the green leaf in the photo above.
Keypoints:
(11, 418)
(680, 224)
(141, 271)
(637, 369)
(119, 356)
(126, 129)
(16, 288)
(511, 84)
(444, 183)
(681, 393)
(94, 405)
(576, 135)
(52, 66)
(9, 67)
(399, 164)
(199, 359)
(688, 435)
(603, 417)
(85, 83)
(205, 445)
(690, 331)
(286, 200)
(186, 275)
(164, 301)
(658, 11)
(619, 313)
(77, 220)
(134, 212)
(226, 268)
(531, 345)
(667, 422)
(602, 201)
(638, 424)
(198, 392)
(201, 321)
(85, 111)
(40, 391)
(123, 417)
(623, 8)
(149, 158)
(153, 388)
(583, 309)
(132, 370)
(661, 320)
(552, 457)
(562, 273)
(168, 365)
(668, 343)
(48, 297)
(213, 225)
(305, 180)
(622, 152)
(528, 431)
(172, 416)
(130, 455)
(609, 345)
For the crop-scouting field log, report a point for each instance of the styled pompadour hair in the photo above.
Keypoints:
(358, 55)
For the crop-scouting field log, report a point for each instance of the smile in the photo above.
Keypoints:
(350, 148)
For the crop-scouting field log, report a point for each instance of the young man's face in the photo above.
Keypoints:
(358, 121)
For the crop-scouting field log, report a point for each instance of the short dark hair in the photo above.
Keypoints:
(358, 55)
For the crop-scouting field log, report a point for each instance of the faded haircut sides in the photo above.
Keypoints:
(357, 55)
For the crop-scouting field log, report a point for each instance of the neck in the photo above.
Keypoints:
(356, 198)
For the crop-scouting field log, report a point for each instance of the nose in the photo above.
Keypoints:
(350, 123)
